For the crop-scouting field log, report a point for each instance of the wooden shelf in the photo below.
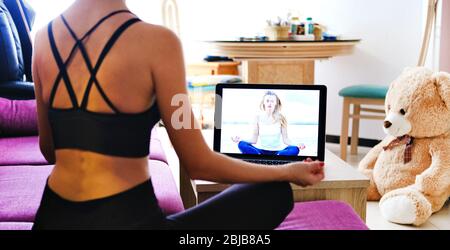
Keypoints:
(212, 68)
(283, 50)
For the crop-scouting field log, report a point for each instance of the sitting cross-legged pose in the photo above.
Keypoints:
(103, 79)
(270, 126)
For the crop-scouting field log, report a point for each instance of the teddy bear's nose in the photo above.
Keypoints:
(387, 124)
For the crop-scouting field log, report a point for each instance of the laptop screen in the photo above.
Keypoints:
(270, 121)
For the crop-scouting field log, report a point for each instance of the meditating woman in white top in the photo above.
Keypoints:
(270, 126)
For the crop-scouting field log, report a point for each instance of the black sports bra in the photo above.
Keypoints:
(115, 134)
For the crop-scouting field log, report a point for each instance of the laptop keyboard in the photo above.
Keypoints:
(267, 162)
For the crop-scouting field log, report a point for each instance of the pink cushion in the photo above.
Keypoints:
(16, 225)
(156, 148)
(166, 190)
(21, 151)
(21, 189)
(322, 215)
(18, 117)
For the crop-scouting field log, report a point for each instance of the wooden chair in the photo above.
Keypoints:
(355, 97)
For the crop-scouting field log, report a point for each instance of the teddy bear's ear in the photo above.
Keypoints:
(442, 82)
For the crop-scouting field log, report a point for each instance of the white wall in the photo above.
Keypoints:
(445, 37)
(46, 10)
(390, 31)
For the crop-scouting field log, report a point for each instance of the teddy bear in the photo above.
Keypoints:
(409, 170)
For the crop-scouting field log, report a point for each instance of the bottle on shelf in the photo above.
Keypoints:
(309, 26)
(295, 22)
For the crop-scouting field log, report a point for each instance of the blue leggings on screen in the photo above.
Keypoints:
(248, 148)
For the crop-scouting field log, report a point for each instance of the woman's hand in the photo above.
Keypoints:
(236, 139)
(305, 173)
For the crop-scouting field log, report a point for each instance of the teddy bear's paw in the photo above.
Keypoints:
(405, 206)
(399, 209)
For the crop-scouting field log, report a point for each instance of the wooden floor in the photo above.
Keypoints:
(374, 220)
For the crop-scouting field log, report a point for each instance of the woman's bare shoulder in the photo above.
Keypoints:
(158, 33)
(40, 42)
(157, 42)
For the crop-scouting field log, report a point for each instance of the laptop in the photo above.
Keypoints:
(270, 123)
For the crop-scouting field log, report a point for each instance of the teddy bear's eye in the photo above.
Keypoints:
(402, 111)
(389, 107)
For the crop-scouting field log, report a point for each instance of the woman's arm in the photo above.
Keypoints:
(255, 132)
(45, 135)
(168, 70)
(285, 136)
(288, 141)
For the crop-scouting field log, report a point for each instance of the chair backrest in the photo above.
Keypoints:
(21, 18)
(171, 16)
(430, 23)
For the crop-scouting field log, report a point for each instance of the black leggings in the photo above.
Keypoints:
(242, 206)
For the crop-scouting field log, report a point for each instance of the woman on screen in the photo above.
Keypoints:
(271, 128)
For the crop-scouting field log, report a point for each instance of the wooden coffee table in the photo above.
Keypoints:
(342, 182)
